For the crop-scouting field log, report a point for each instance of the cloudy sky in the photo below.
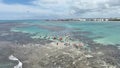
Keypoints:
(52, 9)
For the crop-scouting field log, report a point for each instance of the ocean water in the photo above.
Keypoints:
(101, 32)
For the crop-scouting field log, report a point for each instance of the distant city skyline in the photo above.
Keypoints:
(58, 9)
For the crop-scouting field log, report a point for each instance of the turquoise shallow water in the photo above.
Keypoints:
(102, 32)
(108, 33)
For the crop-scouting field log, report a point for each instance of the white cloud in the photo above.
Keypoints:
(96, 8)
(54, 5)
(78, 7)
(60, 9)
(18, 11)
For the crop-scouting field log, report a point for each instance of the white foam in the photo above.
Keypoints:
(19, 65)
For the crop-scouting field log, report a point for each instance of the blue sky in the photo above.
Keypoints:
(26, 2)
(52, 9)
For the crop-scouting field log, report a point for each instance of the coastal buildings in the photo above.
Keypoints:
(88, 19)
(93, 19)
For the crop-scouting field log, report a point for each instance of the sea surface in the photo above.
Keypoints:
(99, 32)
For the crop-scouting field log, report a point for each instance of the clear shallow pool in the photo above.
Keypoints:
(102, 32)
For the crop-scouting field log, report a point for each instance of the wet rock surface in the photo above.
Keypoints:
(67, 57)
(39, 53)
